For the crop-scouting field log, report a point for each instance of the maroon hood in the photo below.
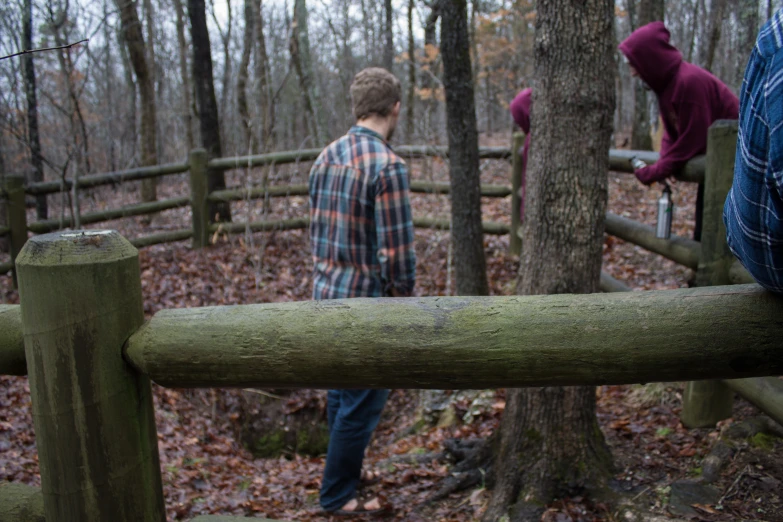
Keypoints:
(520, 109)
(649, 52)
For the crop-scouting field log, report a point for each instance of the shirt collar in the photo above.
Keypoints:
(358, 129)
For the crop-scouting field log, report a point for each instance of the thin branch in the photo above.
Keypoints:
(30, 51)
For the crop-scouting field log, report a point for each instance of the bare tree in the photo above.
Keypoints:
(467, 235)
(134, 40)
(411, 98)
(187, 103)
(717, 13)
(209, 122)
(33, 135)
(388, 36)
(549, 440)
(300, 55)
(266, 107)
(649, 11)
(249, 139)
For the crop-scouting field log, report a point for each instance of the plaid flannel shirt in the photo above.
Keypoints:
(754, 206)
(361, 229)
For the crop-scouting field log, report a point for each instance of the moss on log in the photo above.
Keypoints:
(468, 342)
(12, 360)
(108, 178)
(21, 503)
(678, 249)
(80, 296)
(49, 225)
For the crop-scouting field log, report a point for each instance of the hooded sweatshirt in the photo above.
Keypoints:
(520, 111)
(690, 98)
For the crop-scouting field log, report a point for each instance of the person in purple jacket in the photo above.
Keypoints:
(690, 99)
(520, 111)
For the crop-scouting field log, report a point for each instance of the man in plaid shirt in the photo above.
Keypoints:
(754, 206)
(361, 235)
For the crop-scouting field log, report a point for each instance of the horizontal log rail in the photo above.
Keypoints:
(170, 236)
(6, 267)
(610, 284)
(620, 161)
(107, 178)
(4, 231)
(679, 249)
(277, 191)
(12, 358)
(489, 227)
(738, 275)
(140, 209)
(260, 226)
(765, 392)
(467, 342)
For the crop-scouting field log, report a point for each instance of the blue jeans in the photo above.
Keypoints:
(353, 415)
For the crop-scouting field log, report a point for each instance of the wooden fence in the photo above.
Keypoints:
(90, 371)
(704, 403)
(79, 333)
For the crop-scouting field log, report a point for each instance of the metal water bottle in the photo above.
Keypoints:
(663, 228)
(637, 164)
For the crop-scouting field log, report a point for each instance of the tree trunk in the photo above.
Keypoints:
(388, 36)
(467, 235)
(641, 138)
(549, 442)
(266, 107)
(209, 122)
(717, 11)
(149, 187)
(429, 66)
(225, 38)
(249, 140)
(410, 105)
(134, 40)
(33, 136)
(300, 54)
(187, 114)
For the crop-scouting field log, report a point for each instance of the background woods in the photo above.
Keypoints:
(159, 78)
(135, 94)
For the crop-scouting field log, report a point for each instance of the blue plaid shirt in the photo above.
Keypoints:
(361, 229)
(754, 207)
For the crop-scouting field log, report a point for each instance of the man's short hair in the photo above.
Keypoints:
(374, 91)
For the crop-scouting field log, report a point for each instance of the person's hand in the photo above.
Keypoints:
(641, 175)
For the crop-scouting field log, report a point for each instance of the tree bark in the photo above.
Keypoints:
(249, 139)
(33, 135)
(411, 98)
(134, 40)
(388, 36)
(225, 38)
(149, 187)
(549, 440)
(470, 265)
(300, 54)
(717, 11)
(429, 67)
(263, 85)
(209, 122)
(641, 138)
(187, 103)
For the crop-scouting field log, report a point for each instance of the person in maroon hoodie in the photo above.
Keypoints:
(520, 111)
(690, 99)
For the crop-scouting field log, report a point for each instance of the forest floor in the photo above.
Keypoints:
(207, 470)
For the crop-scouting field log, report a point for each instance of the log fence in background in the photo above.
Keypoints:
(90, 372)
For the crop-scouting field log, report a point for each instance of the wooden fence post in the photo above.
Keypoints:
(199, 174)
(16, 215)
(514, 241)
(93, 414)
(704, 403)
